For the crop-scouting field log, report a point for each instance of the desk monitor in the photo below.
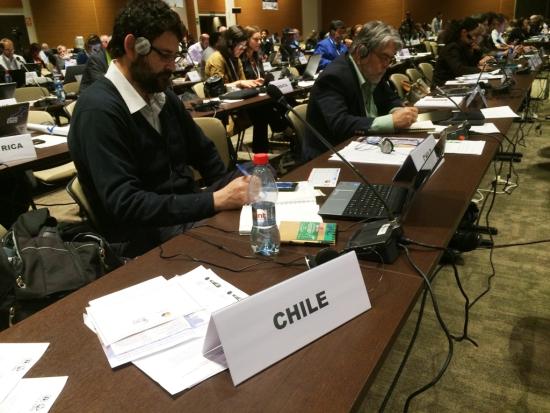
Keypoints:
(34, 67)
(17, 76)
(7, 90)
(73, 71)
(13, 119)
(311, 67)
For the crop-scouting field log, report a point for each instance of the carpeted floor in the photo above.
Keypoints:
(510, 370)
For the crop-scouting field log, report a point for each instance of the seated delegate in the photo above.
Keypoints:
(333, 45)
(133, 142)
(352, 97)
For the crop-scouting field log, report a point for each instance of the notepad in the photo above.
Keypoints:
(308, 232)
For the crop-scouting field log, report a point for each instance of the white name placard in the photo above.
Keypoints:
(194, 76)
(31, 78)
(268, 326)
(283, 84)
(16, 147)
(302, 59)
(267, 66)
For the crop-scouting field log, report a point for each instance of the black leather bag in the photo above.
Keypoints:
(44, 266)
(214, 86)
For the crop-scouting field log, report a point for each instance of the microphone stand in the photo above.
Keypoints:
(370, 248)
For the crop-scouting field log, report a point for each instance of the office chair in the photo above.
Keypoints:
(428, 46)
(72, 87)
(428, 70)
(198, 88)
(26, 94)
(68, 109)
(434, 46)
(75, 191)
(413, 74)
(397, 81)
(299, 127)
(214, 129)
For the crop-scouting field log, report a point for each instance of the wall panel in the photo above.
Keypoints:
(211, 6)
(288, 15)
(10, 4)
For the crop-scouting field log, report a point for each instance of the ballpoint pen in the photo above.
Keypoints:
(243, 171)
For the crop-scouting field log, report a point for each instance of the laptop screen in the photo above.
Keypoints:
(13, 119)
(7, 90)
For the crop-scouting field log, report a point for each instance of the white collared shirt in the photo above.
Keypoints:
(11, 64)
(133, 99)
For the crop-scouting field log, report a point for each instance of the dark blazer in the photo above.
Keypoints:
(336, 108)
(95, 69)
(454, 60)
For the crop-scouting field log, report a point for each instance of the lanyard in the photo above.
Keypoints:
(233, 70)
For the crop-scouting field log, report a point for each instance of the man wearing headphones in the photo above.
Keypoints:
(352, 98)
(134, 144)
(333, 45)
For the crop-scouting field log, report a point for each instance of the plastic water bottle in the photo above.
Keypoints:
(264, 237)
(7, 77)
(59, 91)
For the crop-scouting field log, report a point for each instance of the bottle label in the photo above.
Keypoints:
(263, 214)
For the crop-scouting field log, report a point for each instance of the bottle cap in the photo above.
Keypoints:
(261, 159)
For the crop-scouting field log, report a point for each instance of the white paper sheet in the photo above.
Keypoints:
(34, 395)
(362, 152)
(16, 359)
(439, 102)
(464, 147)
(425, 126)
(485, 128)
(499, 112)
(49, 129)
(324, 177)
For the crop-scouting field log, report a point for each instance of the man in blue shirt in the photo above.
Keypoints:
(332, 46)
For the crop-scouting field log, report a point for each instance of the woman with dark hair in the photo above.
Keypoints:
(461, 54)
(34, 55)
(225, 61)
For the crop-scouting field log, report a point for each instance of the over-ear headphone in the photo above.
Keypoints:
(363, 51)
(324, 255)
(142, 46)
(385, 144)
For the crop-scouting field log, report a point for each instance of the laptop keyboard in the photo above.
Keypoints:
(365, 203)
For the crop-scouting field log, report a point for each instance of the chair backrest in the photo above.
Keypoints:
(72, 87)
(428, 46)
(69, 109)
(25, 94)
(413, 74)
(428, 70)
(215, 130)
(397, 80)
(41, 117)
(434, 48)
(75, 191)
(198, 88)
(298, 126)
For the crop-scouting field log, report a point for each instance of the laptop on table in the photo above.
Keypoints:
(357, 201)
(13, 119)
(7, 90)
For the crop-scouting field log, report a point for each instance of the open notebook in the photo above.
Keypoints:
(299, 205)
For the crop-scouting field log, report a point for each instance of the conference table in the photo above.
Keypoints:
(331, 374)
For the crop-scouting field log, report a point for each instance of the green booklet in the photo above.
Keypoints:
(308, 232)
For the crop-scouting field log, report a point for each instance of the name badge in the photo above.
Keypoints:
(16, 147)
(194, 76)
(283, 84)
(268, 326)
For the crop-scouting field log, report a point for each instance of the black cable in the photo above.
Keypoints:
(464, 335)
(443, 327)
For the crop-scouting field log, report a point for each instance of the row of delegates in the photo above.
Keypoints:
(226, 63)
(352, 96)
(133, 142)
(333, 45)
(461, 54)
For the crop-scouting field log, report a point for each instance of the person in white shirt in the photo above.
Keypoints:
(437, 23)
(194, 52)
(496, 34)
(8, 59)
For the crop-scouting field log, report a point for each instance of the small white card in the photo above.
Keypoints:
(499, 112)
(194, 76)
(267, 67)
(30, 78)
(283, 84)
(302, 59)
(268, 326)
(327, 177)
(16, 147)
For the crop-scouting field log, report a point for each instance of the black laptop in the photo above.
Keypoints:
(357, 201)
(311, 68)
(7, 90)
(72, 72)
(17, 76)
(13, 119)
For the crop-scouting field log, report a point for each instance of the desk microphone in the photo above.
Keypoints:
(386, 250)
(33, 78)
(467, 118)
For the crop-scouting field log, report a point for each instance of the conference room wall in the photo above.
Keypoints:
(210, 6)
(393, 11)
(59, 21)
(288, 15)
(10, 4)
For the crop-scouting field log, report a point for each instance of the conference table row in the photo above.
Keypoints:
(331, 374)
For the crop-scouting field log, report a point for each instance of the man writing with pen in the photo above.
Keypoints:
(352, 97)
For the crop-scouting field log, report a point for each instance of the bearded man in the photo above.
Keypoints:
(134, 144)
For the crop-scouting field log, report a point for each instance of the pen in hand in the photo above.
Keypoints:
(242, 170)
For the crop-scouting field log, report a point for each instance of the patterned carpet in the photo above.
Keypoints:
(510, 370)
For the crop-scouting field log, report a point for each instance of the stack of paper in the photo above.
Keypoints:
(439, 102)
(25, 395)
(363, 152)
(298, 205)
(160, 326)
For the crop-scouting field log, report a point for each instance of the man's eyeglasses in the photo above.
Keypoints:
(169, 57)
(384, 58)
